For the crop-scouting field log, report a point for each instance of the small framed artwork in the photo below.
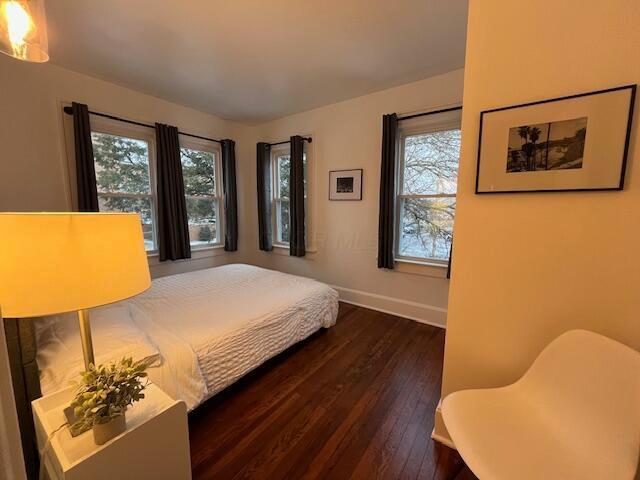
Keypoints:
(345, 184)
(573, 143)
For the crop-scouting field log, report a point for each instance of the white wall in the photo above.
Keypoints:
(347, 135)
(33, 154)
(581, 264)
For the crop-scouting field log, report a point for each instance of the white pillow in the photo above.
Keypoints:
(114, 336)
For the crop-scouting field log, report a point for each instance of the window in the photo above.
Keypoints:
(125, 179)
(201, 170)
(280, 168)
(426, 191)
(125, 165)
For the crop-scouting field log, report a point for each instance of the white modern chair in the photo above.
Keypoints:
(574, 415)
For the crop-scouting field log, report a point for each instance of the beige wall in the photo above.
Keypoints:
(347, 135)
(580, 267)
(33, 162)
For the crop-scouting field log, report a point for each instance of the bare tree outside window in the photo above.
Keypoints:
(427, 194)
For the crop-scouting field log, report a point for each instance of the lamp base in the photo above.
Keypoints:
(87, 351)
(85, 335)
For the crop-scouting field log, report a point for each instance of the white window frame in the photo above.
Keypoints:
(215, 148)
(277, 151)
(419, 126)
(135, 132)
(276, 200)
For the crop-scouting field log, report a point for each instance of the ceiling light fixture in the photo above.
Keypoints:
(23, 30)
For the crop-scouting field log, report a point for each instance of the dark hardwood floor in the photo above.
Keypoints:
(355, 401)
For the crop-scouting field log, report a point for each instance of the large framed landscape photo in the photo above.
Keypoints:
(572, 143)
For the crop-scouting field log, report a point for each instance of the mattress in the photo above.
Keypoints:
(215, 325)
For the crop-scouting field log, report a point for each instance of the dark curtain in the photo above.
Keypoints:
(296, 198)
(387, 191)
(230, 195)
(85, 168)
(263, 174)
(450, 257)
(21, 349)
(173, 226)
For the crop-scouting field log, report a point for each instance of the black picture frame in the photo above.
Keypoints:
(623, 164)
(361, 171)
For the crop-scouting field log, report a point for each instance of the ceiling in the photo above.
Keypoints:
(255, 60)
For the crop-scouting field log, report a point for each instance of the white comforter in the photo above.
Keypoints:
(213, 326)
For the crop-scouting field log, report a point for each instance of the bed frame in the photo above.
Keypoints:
(21, 346)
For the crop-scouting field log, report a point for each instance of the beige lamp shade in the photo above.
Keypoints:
(23, 30)
(60, 262)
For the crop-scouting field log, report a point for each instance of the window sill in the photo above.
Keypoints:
(427, 269)
(196, 253)
(280, 249)
(207, 249)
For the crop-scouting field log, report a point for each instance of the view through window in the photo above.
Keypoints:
(427, 194)
(281, 173)
(199, 170)
(124, 179)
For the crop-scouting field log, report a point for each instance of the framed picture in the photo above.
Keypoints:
(571, 143)
(345, 184)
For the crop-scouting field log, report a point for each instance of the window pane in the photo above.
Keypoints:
(431, 163)
(284, 166)
(141, 206)
(284, 171)
(203, 227)
(426, 227)
(304, 174)
(122, 164)
(282, 186)
(198, 170)
(282, 212)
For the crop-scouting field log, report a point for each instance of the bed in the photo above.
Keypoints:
(200, 331)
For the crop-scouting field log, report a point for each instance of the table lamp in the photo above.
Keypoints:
(54, 263)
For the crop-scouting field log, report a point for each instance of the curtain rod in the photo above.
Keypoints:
(69, 111)
(444, 110)
(306, 139)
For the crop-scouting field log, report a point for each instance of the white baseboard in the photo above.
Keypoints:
(440, 433)
(420, 312)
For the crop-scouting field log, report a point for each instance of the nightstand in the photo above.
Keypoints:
(155, 444)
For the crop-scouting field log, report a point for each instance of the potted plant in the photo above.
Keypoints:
(104, 395)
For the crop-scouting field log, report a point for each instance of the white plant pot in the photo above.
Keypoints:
(103, 432)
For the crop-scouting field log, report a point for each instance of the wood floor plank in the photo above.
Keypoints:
(330, 461)
(277, 453)
(239, 450)
(260, 392)
(356, 401)
(448, 464)
(359, 370)
(381, 455)
(466, 474)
